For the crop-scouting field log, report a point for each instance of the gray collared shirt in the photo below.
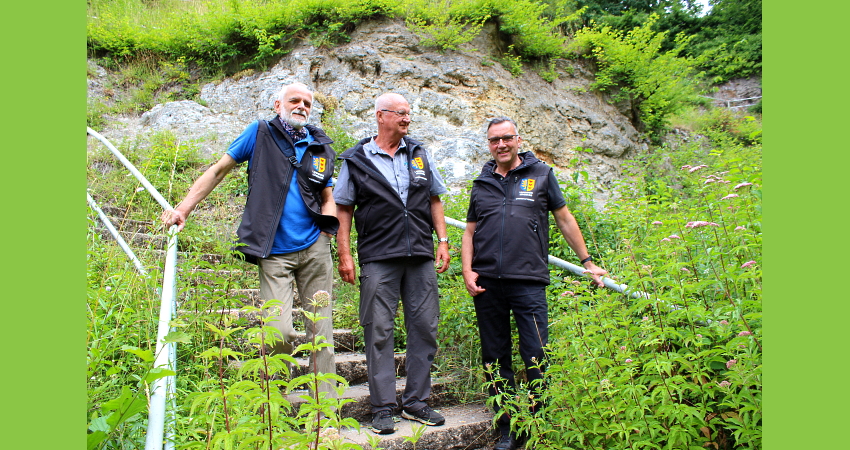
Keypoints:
(394, 169)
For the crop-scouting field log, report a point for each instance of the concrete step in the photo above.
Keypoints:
(361, 410)
(467, 427)
(246, 297)
(197, 276)
(351, 366)
(345, 340)
(214, 259)
(112, 211)
(131, 226)
(253, 318)
(139, 239)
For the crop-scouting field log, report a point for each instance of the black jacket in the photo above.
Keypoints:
(385, 227)
(268, 183)
(511, 238)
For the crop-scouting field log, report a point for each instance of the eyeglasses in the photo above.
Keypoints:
(400, 113)
(507, 138)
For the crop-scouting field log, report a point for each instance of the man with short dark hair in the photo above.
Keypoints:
(504, 257)
(289, 215)
(390, 186)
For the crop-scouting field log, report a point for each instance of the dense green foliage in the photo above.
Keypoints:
(731, 34)
(655, 83)
(646, 51)
(726, 39)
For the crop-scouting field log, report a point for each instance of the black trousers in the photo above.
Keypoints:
(493, 308)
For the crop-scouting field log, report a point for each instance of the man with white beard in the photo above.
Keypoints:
(289, 217)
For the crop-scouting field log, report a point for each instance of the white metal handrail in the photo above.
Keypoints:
(163, 388)
(734, 100)
(115, 234)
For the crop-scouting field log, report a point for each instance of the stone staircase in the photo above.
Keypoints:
(468, 426)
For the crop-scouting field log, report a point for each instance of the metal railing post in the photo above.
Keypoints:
(163, 388)
(159, 435)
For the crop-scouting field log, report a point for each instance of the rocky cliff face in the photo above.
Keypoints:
(451, 94)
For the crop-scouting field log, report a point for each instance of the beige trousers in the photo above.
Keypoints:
(310, 270)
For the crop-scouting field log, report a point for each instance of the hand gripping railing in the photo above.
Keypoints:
(166, 353)
(609, 283)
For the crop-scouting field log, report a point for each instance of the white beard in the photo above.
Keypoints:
(295, 123)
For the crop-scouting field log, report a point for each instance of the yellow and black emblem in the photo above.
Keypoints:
(417, 163)
(319, 163)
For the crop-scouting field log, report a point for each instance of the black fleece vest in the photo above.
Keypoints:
(385, 227)
(268, 184)
(511, 238)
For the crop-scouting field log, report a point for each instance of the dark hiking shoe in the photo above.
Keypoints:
(507, 442)
(425, 415)
(382, 422)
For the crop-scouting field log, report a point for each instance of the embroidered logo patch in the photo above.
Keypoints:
(417, 163)
(527, 184)
(319, 164)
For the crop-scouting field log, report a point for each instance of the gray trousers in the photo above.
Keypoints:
(310, 270)
(382, 283)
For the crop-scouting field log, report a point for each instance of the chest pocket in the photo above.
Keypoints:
(526, 191)
(418, 169)
(317, 169)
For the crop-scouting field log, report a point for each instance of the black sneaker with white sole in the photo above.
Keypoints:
(425, 415)
(382, 422)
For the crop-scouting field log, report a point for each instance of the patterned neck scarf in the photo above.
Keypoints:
(296, 135)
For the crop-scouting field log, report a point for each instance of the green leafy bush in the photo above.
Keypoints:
(726, 40)
(633, 68)
(444, 31)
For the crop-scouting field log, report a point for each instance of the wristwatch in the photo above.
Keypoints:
(445, 239)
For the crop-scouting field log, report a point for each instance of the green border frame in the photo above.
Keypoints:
(805, 314)
(44, 226)
(805, 304)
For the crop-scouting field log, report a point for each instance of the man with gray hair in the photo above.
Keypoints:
(504, 258)
(289, 216)
(391, 188)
